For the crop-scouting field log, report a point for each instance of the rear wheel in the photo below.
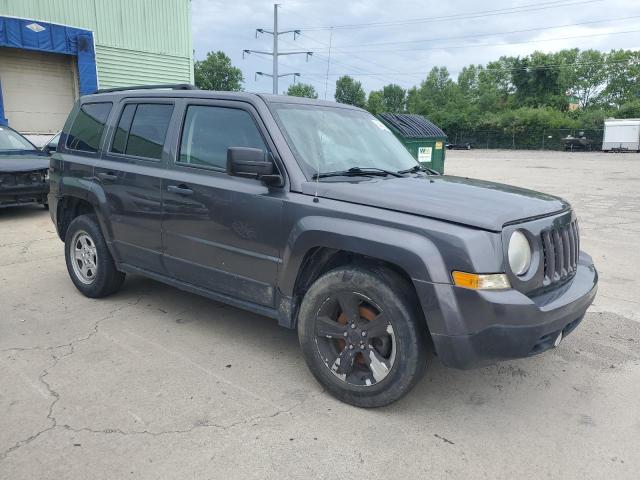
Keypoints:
(89, 262)
(362, 335)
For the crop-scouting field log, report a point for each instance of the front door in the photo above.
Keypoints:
(221, 232)
(130, 172)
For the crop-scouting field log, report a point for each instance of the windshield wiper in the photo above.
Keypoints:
(419, 168)
(356, 172)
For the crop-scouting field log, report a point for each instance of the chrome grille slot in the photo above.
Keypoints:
(561, 249)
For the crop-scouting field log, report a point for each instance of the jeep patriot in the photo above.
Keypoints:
(314, 214)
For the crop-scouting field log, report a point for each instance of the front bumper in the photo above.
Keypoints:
(472, 328)
(22, 195)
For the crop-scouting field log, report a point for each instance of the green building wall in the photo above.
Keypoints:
(138, 42)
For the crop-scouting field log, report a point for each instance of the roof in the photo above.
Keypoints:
(412, 126)
(188, 91)
(622, 121)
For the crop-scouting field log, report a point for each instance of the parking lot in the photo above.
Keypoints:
(158, 383)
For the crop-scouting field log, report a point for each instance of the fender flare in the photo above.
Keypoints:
(416, 254)
(88, 190)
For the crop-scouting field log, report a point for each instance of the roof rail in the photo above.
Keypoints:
(178, 86)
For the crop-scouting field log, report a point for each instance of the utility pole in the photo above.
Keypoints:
(275, 53)
(275, 48)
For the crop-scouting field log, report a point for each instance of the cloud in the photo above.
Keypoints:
(454, 42)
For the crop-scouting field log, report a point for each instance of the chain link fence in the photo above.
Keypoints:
(530, 139)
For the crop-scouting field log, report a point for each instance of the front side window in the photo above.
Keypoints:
(142, 130)
(87, 128)
(209, 131)
(330, 139)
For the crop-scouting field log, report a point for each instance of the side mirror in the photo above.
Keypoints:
(252, 163)
(50, 148)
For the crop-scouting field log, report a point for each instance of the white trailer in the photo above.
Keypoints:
(621, 135)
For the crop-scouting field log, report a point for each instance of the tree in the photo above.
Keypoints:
(623, 77)
(217, 73)
(375, 102)
(588, 76)
(302, 90)
(537, 81)
(495, 88)
(350, 91)
(469, 81)
(393, 98)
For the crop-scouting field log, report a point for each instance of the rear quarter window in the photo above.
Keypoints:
(87, 128)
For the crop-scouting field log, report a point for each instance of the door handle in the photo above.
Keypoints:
(107, 177)
(180, 189)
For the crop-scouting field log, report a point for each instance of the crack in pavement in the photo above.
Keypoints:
(56, 396)
(108, 431)
(253, 418)
(109, 315)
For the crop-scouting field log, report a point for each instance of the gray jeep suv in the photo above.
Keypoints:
(312, 213)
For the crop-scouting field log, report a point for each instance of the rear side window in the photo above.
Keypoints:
(209, 131)
(87, 128)
(142, 130)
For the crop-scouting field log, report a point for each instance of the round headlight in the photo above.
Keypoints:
(519, 253)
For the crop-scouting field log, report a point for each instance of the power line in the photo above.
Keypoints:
(476, 45)
(349, 66)
(329, 60)
(478, 35)
(548, 66)
(478, 14)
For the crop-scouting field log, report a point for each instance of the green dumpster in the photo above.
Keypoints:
(424, 140)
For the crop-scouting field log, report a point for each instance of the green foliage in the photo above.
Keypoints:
(623, 77)
(629, 110)
(391, 99)
(302, 90)
(514, 95)
(375, 102)
(588, 77)
(217, 73)
(350, 91)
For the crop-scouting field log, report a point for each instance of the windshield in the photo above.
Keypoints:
(330, 139)
(11, 141)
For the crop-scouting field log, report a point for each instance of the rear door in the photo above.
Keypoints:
(130, 172)
(221, 232)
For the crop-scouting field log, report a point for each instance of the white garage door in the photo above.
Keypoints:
(38, 89)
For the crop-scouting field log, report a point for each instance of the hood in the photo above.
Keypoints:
(476, 203)
(23, 162)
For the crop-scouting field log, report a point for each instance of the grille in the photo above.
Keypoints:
(561, 248)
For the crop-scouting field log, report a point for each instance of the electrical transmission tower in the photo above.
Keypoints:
(275, 53)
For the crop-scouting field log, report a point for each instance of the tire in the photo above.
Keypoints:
(93, 272)
(390, 345)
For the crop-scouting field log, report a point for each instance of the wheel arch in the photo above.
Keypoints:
(81, 196)
(316, 247)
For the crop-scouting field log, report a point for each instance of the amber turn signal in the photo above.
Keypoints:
(476, 281)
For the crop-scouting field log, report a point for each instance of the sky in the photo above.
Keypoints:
(380, 42)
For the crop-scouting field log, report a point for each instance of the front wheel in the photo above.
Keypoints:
(362, 335)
